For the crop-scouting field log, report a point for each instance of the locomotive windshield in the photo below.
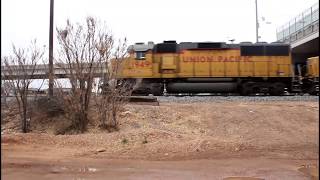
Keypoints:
(140, 55)
(140, 50)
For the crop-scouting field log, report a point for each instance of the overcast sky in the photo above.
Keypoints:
(149, 20)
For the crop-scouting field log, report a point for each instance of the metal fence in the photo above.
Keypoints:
(301, 26)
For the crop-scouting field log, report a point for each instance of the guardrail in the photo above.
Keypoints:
(303, 25)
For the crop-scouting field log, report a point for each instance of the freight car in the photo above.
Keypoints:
(310, 82)
(214, 67)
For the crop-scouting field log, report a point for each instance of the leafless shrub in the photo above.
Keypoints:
(114, 90)
(18, 71)
(77, 58)
(85, 54)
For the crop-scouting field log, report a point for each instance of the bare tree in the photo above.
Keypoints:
(18, 71)
(88, 52)
(77, 57)
(114, 89)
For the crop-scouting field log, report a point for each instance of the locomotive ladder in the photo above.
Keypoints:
(296, 81)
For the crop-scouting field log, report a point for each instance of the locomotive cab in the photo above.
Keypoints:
(139, 62)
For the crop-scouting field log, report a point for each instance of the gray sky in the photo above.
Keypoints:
(150, 20)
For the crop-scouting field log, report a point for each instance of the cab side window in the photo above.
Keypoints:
(140, 55)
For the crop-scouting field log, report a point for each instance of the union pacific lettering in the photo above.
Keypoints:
(203, 59)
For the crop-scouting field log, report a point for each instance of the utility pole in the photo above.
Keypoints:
(257, 22)
(51, 50)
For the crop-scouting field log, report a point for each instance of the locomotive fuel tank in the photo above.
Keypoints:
(201, 87)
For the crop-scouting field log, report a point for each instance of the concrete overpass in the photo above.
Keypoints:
(302, 32)
(41, 71)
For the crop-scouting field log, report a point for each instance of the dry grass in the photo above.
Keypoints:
(205, 130)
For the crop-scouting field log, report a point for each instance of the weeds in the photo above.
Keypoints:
(124, 141)
(145, 141)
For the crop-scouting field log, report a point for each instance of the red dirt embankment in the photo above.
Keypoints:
(186, 131)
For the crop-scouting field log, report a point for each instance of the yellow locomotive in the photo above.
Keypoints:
(210, 67)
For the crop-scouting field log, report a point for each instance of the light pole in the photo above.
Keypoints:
(257, 22)
(51, 50)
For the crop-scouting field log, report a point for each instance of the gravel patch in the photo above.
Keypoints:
(188, 99)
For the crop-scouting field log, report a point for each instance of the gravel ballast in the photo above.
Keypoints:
(187, 99)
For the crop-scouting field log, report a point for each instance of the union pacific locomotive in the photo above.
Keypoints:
(218, 67)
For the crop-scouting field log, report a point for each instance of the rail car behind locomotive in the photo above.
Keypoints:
(311, 78)
(211, 67)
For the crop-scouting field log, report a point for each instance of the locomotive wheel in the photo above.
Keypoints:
(313, 90)
(277, 89)
(157, 92)
(246, 89)
(157, 89)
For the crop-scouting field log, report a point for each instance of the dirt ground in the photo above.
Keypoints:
(203, 140)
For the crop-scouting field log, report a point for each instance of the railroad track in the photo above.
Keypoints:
(185, 98)
(204, 98)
